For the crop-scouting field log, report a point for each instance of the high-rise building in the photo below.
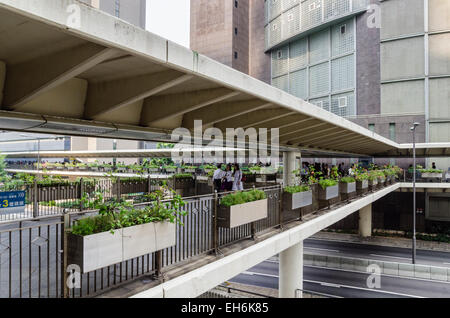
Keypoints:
(132, 11)
(382, 64)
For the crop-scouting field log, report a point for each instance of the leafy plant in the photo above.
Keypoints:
(242, 197)
(183, 175)
(297, 189)
(348, 180)
(326, 183)
(117, 214)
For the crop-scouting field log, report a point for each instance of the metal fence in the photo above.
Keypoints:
(32, 252)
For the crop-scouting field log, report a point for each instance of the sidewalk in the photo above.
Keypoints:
(383, 241)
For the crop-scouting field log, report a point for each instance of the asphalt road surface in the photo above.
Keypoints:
(348, 284)
(375, 252)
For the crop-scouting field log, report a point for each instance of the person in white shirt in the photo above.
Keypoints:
(228, 179)
(217, 177)
(237, 182)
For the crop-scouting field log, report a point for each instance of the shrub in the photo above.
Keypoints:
(183, 175)
(297, 189)
(326, 183)
(362, 177)
(348, 180)
(119, 214)
(243, 197)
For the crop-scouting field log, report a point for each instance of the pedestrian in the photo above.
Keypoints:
(227, 181)
(237, 182)
(217, 177)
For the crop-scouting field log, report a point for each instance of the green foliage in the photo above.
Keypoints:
(114, 215)
(326, 183)
(431, 171)
(243, 197)
(183, 175)
(208, 167)
(297, 189)
(362, 176)
(348, 180)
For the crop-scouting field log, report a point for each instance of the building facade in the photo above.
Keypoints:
(132, 11)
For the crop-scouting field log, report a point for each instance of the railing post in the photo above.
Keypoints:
(215, 229)
(64, 263)
(119, 195)
(81, 194)
(252, 226)
(280, 208)
(35, 199)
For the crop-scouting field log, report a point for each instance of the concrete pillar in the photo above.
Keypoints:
(365, 221)
(291, 271)
(291, 162)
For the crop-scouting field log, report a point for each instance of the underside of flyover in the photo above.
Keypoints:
(112, 80)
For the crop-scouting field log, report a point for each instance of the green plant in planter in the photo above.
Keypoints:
(183, 175)
(255, 168)
(170, 167)
(243, 197)
(189, 167)
(326, 183)
(348, 180)
(114, 215)
(297, 189)
(362, 176)
(208, 167)
(431, 171)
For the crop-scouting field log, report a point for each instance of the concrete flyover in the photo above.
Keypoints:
(62, 74)
(200, 280)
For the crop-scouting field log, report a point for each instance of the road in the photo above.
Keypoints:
(350, 284)
(343, 283)
(375, 252)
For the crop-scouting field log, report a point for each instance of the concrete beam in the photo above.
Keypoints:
(30, 79)
(159, 108)
(105, 97)
(285, 122)
(319, 135)
(288, 134)
(254, 118)
(223, 111)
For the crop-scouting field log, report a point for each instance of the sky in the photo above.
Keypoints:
(170, 19)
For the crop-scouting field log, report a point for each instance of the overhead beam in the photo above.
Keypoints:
(318, 135)
(213, 114)
(158, 108)
(105, 97)
(287, 134)
(336, 142)
(254, 119)
(285, 122)
(30, 79)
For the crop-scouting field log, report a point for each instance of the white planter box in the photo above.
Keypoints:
(373, 183)
(328, 193)
(237, 215)
(171, 170)
(104, 249)
(347, 188)
(382, 180)
(94, 168)
(297, 200)
(189, 170)
(362, 185)
(153, 169)
(429, 175)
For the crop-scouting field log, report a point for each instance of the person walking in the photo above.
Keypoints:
(237, 182)
(217, 177)
(228, 179)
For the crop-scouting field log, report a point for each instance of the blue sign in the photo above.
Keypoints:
(13, 201)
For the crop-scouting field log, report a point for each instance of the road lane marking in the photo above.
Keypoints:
(376, 255)
(337, 286)
(321, 249)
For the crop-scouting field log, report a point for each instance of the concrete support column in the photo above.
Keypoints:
(365, 221)
(291, 271)
(291, 162)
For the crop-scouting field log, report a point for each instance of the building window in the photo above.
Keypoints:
(343, 29)
(279, 54)
(117, 8)
(342, 102)
(235, 54)
(372, 127)
(312, 6)
(274, 27)
(236, 4)
(290, 17)
(392, 133)
(235, 31)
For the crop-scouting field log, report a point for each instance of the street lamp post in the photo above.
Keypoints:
(413, 129)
